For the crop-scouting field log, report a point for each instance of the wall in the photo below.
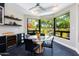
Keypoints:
(77, 17)
(16, 11)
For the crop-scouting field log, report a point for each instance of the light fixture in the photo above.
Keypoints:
(34, 12)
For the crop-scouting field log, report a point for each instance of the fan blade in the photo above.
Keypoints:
(35, 6)
(51, 7)
(42, 8)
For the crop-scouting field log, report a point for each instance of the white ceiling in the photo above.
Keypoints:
(48, 6)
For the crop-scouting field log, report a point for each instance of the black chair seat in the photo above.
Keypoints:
(30, 45)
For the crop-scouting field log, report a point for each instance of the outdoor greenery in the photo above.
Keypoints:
(62, 23)
(47, 26)
(33, 24)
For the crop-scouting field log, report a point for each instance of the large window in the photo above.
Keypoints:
(62, 26)
(44, 26)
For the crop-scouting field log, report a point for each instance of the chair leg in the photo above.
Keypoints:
(43, 51)
(51, 51)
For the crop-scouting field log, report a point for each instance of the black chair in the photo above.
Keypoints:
(49, 44)
(2, 44)
(30, 46)
(27, 35)
(20, 37)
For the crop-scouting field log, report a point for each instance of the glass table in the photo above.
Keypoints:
(40, 41)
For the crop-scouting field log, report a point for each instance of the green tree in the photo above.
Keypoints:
(63, 21)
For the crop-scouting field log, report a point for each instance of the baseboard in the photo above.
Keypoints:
(77, 52)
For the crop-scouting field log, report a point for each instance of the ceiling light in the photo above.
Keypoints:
(34, 12)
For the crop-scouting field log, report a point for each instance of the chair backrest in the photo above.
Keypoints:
(23, 35)
(27, 36)
(28, 44)
(20, 37)
(52, 42)
(48, 43)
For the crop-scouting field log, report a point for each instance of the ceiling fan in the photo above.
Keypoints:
(38, 8)
(37, 5)
(42, 8)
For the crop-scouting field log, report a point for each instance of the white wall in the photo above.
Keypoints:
(16, 11)
(77, 17)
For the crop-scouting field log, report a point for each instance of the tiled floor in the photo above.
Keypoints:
(58, 50)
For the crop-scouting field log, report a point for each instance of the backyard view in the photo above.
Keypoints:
(62, 25)
(33, 26)
(46, 26)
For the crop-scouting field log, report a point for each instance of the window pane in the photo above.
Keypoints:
(47, 26)
(33, 26)
(62, 25)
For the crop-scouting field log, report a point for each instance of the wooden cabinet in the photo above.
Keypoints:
(11, 40)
